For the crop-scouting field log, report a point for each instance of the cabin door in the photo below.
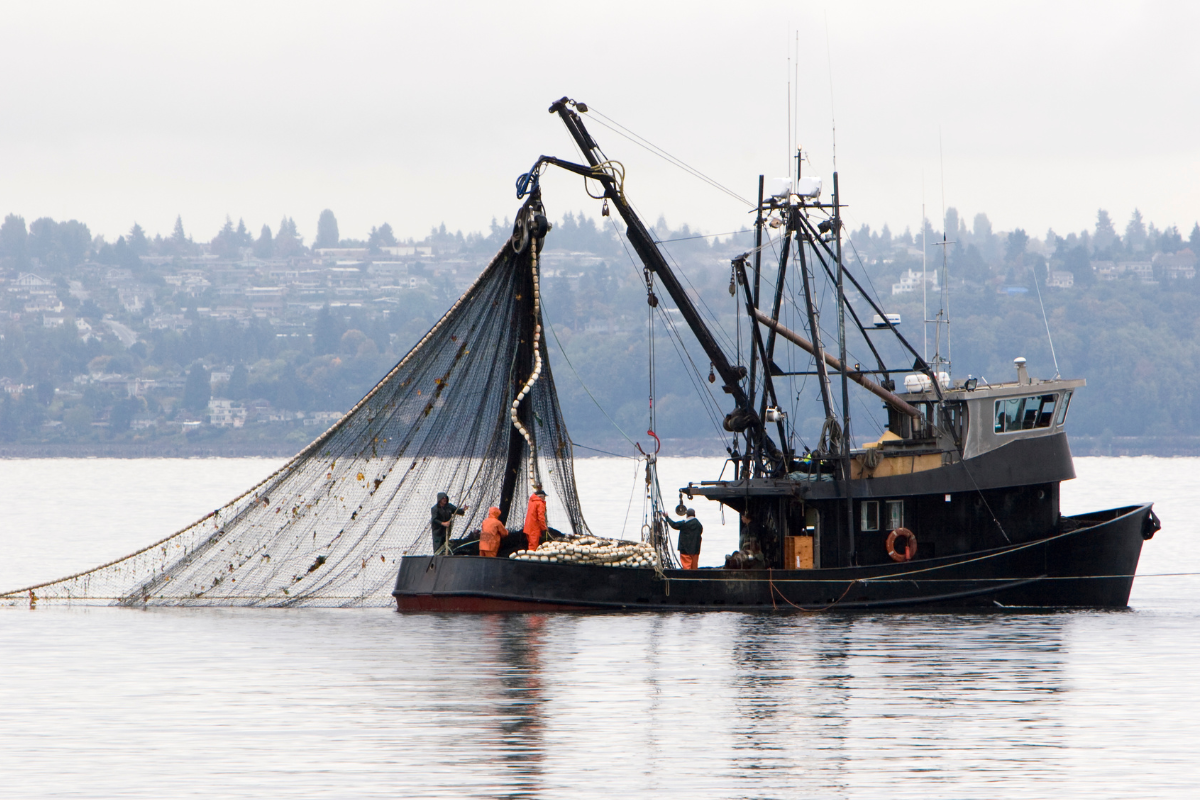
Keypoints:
(801, 536)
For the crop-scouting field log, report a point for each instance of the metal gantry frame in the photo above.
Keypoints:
(819, 242)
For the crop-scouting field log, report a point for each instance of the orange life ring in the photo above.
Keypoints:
(910, 545)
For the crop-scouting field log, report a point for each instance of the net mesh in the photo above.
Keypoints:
(470, 411)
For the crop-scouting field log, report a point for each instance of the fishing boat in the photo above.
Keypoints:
(955, 505)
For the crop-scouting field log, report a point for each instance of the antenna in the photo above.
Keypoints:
(832, 116)
(943, 314)
(924, 281)
(945, 309)
(795, 143)
(1036, 285)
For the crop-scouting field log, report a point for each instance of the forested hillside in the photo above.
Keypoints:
(238, 345)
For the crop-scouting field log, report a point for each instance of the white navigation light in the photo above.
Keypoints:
(809, 188)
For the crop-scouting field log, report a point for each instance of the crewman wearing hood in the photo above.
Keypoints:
(535, 518)
(440, 517)
(492, 534)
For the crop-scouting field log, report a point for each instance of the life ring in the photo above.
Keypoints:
(910, 545)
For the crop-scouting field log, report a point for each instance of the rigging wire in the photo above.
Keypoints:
(629, 507)
(646, 144)
(694, 375)
(605, 452)
(712, 319)
(579, 378)
(703, 236)
(1046, 321)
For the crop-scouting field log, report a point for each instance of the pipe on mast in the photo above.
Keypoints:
(862, 380)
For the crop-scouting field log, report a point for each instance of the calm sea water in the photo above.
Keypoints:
(102, 702)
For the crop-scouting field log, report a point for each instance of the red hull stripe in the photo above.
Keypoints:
(428, 602)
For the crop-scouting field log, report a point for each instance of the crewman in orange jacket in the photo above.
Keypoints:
(492, 534)
(535, 518)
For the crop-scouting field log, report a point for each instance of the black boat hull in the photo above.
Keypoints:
(1091, 566)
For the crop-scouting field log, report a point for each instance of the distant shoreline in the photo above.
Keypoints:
(1081, 446)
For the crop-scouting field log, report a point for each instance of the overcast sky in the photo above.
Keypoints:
(423, 113)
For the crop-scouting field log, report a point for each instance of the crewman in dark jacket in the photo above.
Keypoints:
(439, 519)
(690, 531)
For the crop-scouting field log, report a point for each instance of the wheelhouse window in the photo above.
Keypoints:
(869, 515)
(1062, 409)
(1025, 413)
(895, 514)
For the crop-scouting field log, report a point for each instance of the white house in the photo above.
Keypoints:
(1061, 279)
(225, 413)
(910, 281)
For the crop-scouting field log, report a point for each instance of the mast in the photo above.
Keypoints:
(814, 330)
(924, 291)
(752, 300)
(757, 346)
(841, 300)
(524, 321)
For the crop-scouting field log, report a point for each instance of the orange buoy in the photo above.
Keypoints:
(910, 545)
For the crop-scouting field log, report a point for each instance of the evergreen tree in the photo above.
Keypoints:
(265, 246)
(1106, 234)
(180, 244)
(1194, 239)
(1014, 247)
(14, 241)
(381, 237)
(196, 389)
(327, 230)
(122, 414)
(1170, 241)
(327, 333)
(243, 237)
(178, 237)
(59, 246)
(43, 236)
(1075, 260)
(968, 264)
(955, 228)
(225, 244)
(1041, 270)
(984, 238)
(1135, 233)
(137, 240)
(239, 383)
(124, 256)
(288, 242)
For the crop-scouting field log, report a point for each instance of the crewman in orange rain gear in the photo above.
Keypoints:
(535, 518)
(492, 534)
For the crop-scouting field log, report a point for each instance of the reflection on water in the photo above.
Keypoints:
(321, 703)
(517, 641)
(835, 700)
(101, 702)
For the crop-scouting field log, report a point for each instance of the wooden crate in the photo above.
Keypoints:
(797, 552)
